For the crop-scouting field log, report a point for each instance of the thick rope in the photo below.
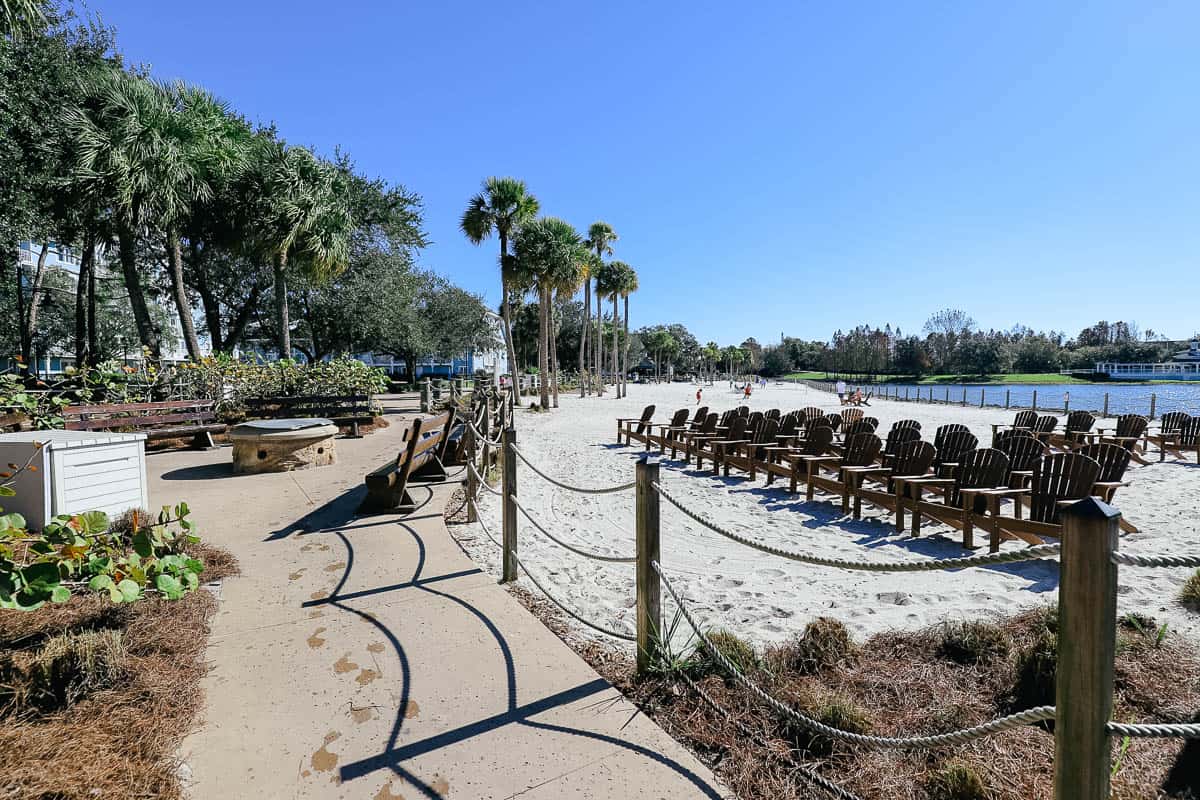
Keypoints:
(615, 634)
(1018, 720)
(572, 548)
(481, 482)
(480, 437)
(1155, 561)
(567, 486)
(804, 772)
(1028, 554)
(1175, 731)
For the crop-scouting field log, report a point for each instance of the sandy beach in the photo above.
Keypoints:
(769, 599)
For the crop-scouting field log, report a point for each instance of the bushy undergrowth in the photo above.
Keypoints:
(973, 642)
(740, 652)
(823, 643)
(1189, 593)
(956, 782)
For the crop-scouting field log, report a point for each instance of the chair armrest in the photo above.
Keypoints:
(994, 492)
(926, 481)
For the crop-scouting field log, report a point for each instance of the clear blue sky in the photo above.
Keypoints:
(770, 166)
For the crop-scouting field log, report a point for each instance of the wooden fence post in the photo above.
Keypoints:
(472, 483)
(1007, 397)
(649, 606)
(1087, 620)
(981, 398)
(509, 570)
(1066, 402)
(906, 394)
(1035, 399)
(1105, 404)
(1153, 400)
(964, 400)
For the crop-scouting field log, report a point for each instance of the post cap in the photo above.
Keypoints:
(1091, 508)
(650, 459)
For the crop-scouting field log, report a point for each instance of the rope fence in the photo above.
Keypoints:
(578, 489)
(568, 546)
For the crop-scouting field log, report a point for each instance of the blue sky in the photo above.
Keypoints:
(770, 167)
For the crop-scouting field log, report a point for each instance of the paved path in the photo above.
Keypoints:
(370, 658)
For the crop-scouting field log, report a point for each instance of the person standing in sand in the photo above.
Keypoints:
(699, 392)
(841, 391)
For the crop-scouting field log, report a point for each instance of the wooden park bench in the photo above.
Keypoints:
(350, 409)
(422, 455)
(169, 419)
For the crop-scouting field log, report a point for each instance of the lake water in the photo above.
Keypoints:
(1122, 398)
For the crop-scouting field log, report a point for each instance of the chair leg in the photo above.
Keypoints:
(203, 441)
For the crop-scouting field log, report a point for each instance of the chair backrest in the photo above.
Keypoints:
(812, 412)
(1131, 425)
(754, 420)
(647, 415)
(861, 450)
(737, 428)
(899, 436)
(907, 423)
(954, 446)
(818, 441)
(1023, 450)
(1080, 422)
(765, 436)
(913, 457)
(1170, 422)
(1112, 458)
(1045, 424)
(788, 426)
(1058, 477)
(984, 468)
(834, 421)
(1025, 419)
(710, 423)
(727, 417)
(945, 430)
(872, 421)
(851, 415)
(772, 413)
(680, 419)
(699, 417)
(743, 411)
(855, 428)
(1189, 432)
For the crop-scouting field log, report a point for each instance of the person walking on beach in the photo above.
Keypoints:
(698, 393)
(841, 391)
(746, 391)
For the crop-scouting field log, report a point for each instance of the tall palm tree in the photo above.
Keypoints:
(590, 266)
(547, 254)
(628, 285)
(600, 239)
(18, 17)
(303, 221)
(501, 208)
(608, 287)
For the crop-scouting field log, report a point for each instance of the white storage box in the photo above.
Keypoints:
(76, 471)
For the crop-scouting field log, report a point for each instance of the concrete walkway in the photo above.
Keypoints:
(370, 658)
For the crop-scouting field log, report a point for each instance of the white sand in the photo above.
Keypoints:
(767, 598)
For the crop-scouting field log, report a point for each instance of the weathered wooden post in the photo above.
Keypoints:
(508, 572)
(1035, 399)
(426, 396)
(1153, 400)
(906, 394)
(486, 430)
(1066, 402)
(649, 605)
(981, 398)
(1087, 621)
(1105, 404)
(1007, 397)
(472, 481)
(964, 400)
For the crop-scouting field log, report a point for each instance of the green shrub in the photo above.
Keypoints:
(737, 650)
(1189, 594)
(825, 642)
(973, 642)
(955, 782)
(1036, 668)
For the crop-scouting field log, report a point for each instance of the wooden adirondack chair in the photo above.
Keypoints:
(1128, 433)
(1023, 452)
(1058, 479)
(1044, 427)
(1170, 432)
(1024, 421)
(773, 413)
(735, 433)
(782, 459)
(744, 456)
(860, 451)
(835, 421)
(851, 415)
(984, 468)
(634, 427)
(1079, 424)
(911, 460)
(951, 447)
(1114, 461)
(686, 439)
(906, 423)
(678, 422)
(811, 412)
(897, 437)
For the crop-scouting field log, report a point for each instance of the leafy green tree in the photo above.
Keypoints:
(503, 206)
(21, 18)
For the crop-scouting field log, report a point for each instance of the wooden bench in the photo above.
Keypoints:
(170, 419)
(350, 409)
(421, 456)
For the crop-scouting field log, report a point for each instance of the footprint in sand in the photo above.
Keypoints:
(315, 640)
(344, 665)
(385, 793)
(321, 594)
(323, 760)
(366, 676)
(335, 566)
(295, 576)
(375, 647)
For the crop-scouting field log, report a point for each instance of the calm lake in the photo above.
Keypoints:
(1122, 398)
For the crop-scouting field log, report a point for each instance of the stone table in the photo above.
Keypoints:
(283, 445)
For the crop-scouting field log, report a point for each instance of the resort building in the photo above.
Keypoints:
(1183, 366)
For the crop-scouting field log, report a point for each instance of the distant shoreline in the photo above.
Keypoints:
(1048, 378)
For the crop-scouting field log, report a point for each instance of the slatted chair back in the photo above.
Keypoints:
(1045, 424)
(737, 429)
(1079, 422)
(1058, 477)
(834, 421)
(816, 422)
(1023, 450)
(788, 426)
(710, 424)
(872, 421)
(954, 446)
(1189, 433)
(1112, 458)
(861, 450)
(907, 423)
(699, 417)
(765, 437)
(943, 431)
(913, 457)
(1130, 426)
(898, 436)
(743, 411)
(792, 415)
(727, 417)
(984, 468)
(644, 423)
(855, 428)
(818, 441)
(754, 420)
(1172, 420)
(1025, 419)
(680, 418)
(812, 412)
(851, 415)
(773, 413)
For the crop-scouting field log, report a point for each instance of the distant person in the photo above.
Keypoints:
(841, 391)
(699, 393)
(746, 391)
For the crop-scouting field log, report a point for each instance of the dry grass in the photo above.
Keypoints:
(118, 737)
(1189, 593)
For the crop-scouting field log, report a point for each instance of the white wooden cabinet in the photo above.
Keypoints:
(76, 471)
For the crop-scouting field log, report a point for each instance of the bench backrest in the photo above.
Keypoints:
(424, 441)
(111, 416)
(320, 405)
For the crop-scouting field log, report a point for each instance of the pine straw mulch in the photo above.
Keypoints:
(120, 741)
(903, 685)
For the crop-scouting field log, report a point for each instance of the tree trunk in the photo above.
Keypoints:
(505, 313)
(625, 358)
(35, 301)
(175, 271)
(284, 334)
(238, 328)
(599, 341)
(615, 363)
(93, 333)
(208, 301)
(82, 352)
(18, 279)
(583, 336)
(127, 253)
(554, 353)
(543, 363)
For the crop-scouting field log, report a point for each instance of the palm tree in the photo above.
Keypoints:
(628, 285)
(620, 278)
(303, 221)
(19, 17)
(600, 239)
(547, 254)
(590, 266)
(502, 207)
(712, 355)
